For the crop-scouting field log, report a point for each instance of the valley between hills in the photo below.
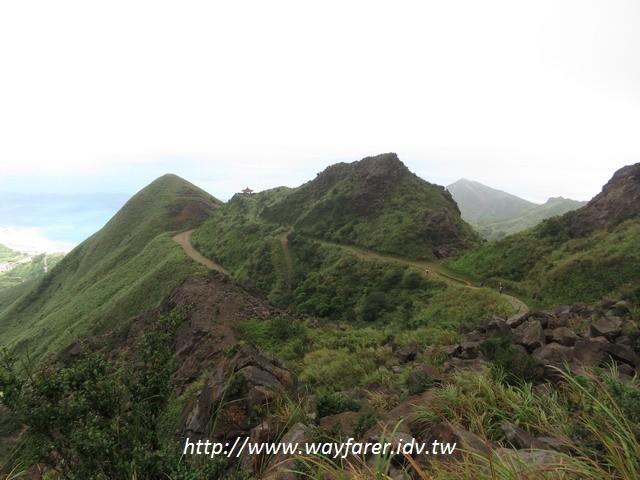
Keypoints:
(361, 304)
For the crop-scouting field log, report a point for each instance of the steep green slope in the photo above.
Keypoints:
(583, 255)
(379, 204)
(128, 265)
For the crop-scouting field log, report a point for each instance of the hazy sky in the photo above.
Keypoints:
(538, 98)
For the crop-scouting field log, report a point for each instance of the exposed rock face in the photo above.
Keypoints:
(606, 327)
(549, 338)
(465, 440)
(214, 305)
(407, 353)
(618, 201)
(519, 438)
(232, 392)
(283, 466)
(553, 354)
(564, 336)
(530, 334)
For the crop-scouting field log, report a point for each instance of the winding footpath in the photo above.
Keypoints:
(428, 268)
(431, 267)
(184, 239)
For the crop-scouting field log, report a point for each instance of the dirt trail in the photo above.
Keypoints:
(184, 239)
(431, 267)
(288, 259)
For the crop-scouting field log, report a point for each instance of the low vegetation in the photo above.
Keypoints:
(549, 267)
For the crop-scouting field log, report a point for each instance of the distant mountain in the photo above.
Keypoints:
(495, 213)
(127, 266)
(376, 203)
(482, 205)
(580, 256)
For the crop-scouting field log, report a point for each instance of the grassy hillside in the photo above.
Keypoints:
(128, 265)
(547, 263)
(376, 203)
(314, 277)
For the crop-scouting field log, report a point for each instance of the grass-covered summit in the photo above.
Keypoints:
(379, 204)
(127, 266)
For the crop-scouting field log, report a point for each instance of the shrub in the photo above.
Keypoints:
(330, 403)
(517, 366)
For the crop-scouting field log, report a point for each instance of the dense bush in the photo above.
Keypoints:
(88, 417)
(516, 366)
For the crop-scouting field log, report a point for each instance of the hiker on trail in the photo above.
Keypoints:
(500, 289)
(481, 284)
(427, 270)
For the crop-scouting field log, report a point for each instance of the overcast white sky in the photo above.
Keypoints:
(538, 98)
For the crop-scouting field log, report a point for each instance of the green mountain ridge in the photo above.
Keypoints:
(379, 204)
(125, 267)
(583, 255)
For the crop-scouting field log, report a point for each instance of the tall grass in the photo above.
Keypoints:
(593, 413)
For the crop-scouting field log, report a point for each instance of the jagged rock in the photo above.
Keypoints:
(518, 320)
(519, 438)
(557, 444)
(469, 350)
(563, 335)
(623, 340)
(581, 309)
(553, 354)
(475, 336)
(465, 440)
(557, 322)
(542, 317)
(623, 353)
(626, 372)
(344, 421)
(407, 353)
(606, 327)
(530, 334)
(561, 310)
(496, 328)
(398, 474)
(422, 377)
(531, 462)
(248, 380)
(455, 363)
(621, 306)
(283, 466)
(448, 350)
(404, 411)
(590, 351)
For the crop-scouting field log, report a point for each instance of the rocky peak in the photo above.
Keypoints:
(618, 201)
(384, 167)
